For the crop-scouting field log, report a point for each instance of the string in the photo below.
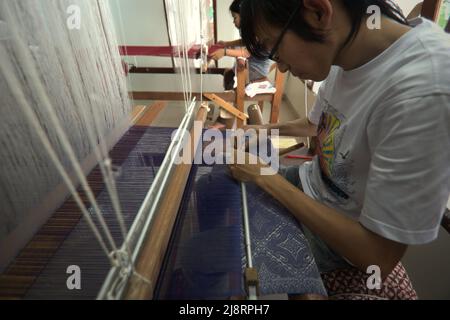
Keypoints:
(15, 87)
(31, 72)
(122, 28)
(102, 156)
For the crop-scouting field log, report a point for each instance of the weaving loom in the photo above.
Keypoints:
(64, 105)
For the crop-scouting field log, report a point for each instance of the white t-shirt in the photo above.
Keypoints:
(384, 131)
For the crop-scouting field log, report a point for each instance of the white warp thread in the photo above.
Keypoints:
(82, 74)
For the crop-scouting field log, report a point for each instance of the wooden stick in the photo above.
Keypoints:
(240, 93)
(290, 149)
(148, 114)
(223, 104)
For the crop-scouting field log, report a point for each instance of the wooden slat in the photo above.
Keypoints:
(225, 105)
(150, 114)
(240, 94)
(137, 113)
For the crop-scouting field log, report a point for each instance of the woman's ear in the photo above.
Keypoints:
(318, 13)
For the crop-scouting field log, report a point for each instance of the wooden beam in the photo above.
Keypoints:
(430, 9)
(228, 96)
(277, 97)
(137, 113)
(152, 256)
(149, 114)
(225, 105)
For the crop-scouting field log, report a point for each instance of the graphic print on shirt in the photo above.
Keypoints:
(334, 162)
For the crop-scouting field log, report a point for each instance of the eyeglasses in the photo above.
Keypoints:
(273, 55)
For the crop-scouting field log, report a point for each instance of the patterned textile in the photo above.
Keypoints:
(280, 249)
(350, 284)
(208, 255)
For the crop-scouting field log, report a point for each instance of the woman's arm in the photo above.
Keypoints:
(236, 53)
(347, 237)
(296, 128)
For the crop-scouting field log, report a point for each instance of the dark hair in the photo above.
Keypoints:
(277, 13)
(236, 6)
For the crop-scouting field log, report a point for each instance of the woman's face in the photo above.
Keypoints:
(304, 59)
(236, 19)
(308, 59)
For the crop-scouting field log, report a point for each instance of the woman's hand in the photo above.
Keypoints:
(250, 170)
(218, 54)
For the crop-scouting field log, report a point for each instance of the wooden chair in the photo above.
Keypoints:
(275, 100)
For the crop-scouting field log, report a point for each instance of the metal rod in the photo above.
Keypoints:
(248, 246)
(252, 290)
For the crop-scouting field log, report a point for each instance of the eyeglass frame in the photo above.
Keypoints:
(274, 51)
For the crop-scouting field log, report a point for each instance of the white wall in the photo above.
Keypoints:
(141, 23)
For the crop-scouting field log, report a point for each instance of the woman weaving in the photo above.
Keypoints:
(258, 68)
(371, 191)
